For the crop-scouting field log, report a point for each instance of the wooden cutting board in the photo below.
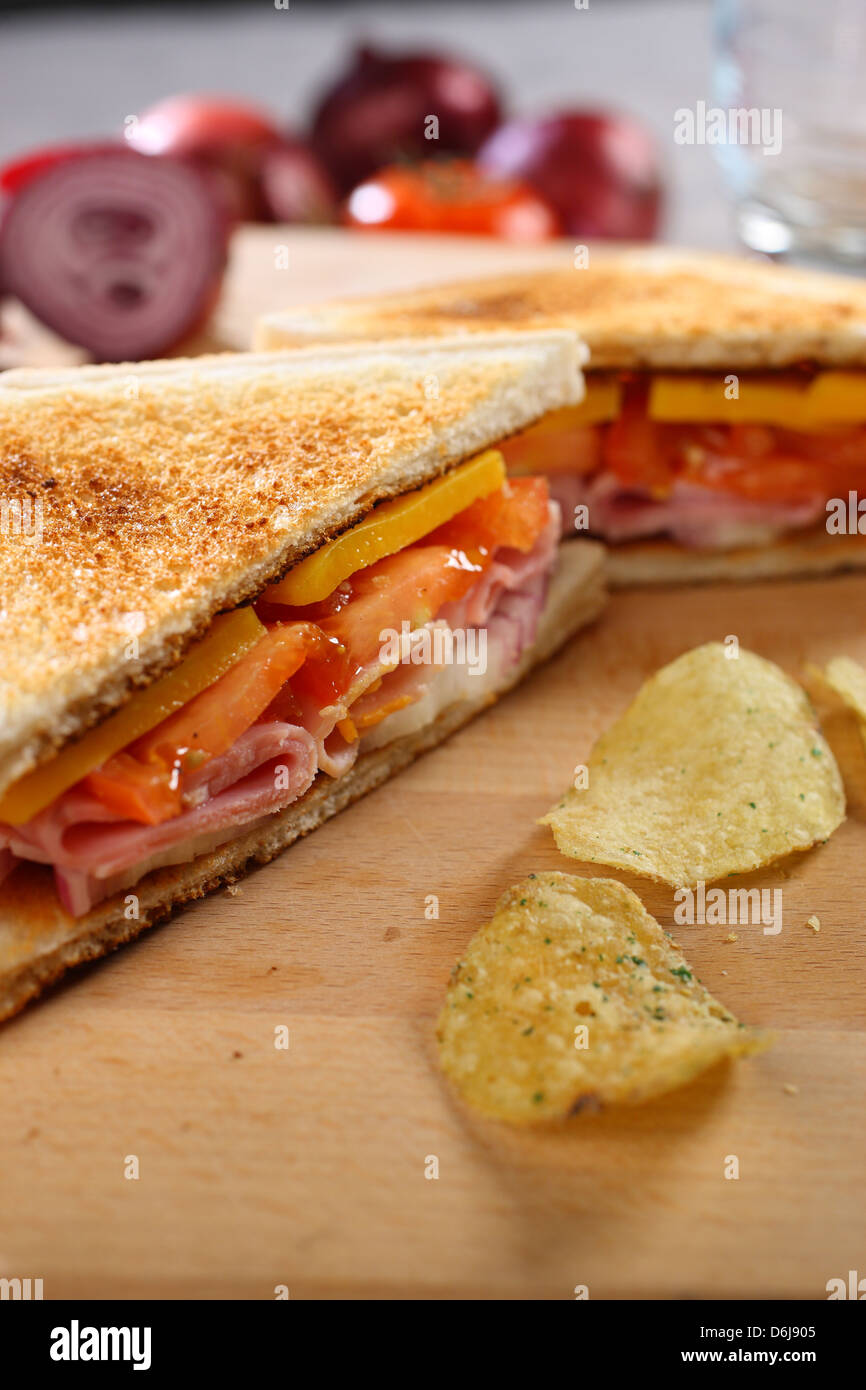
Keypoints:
(306, 1167)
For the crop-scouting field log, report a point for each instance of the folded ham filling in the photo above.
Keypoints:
(694, 516)
(95, 852)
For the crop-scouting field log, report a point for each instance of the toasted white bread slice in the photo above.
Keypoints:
(151, 496)
(39, 941)
(648, 307)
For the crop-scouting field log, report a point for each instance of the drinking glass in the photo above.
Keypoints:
(799, 65)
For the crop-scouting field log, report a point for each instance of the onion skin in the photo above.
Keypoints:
(116, 251)
(378, 110)
(599, 170)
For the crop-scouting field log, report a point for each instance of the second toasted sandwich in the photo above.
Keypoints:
(723, 431)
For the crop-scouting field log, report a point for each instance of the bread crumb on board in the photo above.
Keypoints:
(732, 936)
(790, 1089)
(814, 923)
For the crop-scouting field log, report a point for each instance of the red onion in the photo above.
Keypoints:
(228, 138)
(599, 170)
(295, 185)
(378, 112)
(117, 252)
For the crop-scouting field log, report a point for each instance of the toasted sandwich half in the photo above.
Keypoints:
(723, 431)
(240, 591)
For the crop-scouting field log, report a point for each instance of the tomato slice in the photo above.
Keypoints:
(146, 781)
(838, 448)
(756, 462)
(774, 478)
(633, 447)
(571, 449)
(411, 586)
(513, 516)
(137, 791)
(764, 464)
(212, 722)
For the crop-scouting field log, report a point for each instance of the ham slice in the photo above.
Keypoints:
(511, 570)
(95, 852)
(699, 517)
(79, 891)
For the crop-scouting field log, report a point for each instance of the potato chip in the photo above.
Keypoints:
(574, 997)
(848, 679)
(717, 767)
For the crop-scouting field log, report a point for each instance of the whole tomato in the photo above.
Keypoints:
(452, 196)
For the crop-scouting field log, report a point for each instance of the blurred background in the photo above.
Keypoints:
(73, 70)
(149, 152)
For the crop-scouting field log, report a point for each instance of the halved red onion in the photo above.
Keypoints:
(118, 252)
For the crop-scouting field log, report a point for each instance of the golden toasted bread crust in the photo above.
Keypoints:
(39, 941)
(140, 500)
(647, 308)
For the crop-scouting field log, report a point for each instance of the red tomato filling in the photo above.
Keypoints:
(762, 463)
(311, 656)
(146, 781)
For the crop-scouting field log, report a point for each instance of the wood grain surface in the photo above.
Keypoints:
(305, 1167)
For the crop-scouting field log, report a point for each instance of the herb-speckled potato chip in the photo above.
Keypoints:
(573, 996)
(848, 679)
(717, 767)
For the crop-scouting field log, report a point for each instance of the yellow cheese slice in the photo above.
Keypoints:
(602, 403)
(389, 527)
(228, 638)
(832, 398)
(839, 398)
